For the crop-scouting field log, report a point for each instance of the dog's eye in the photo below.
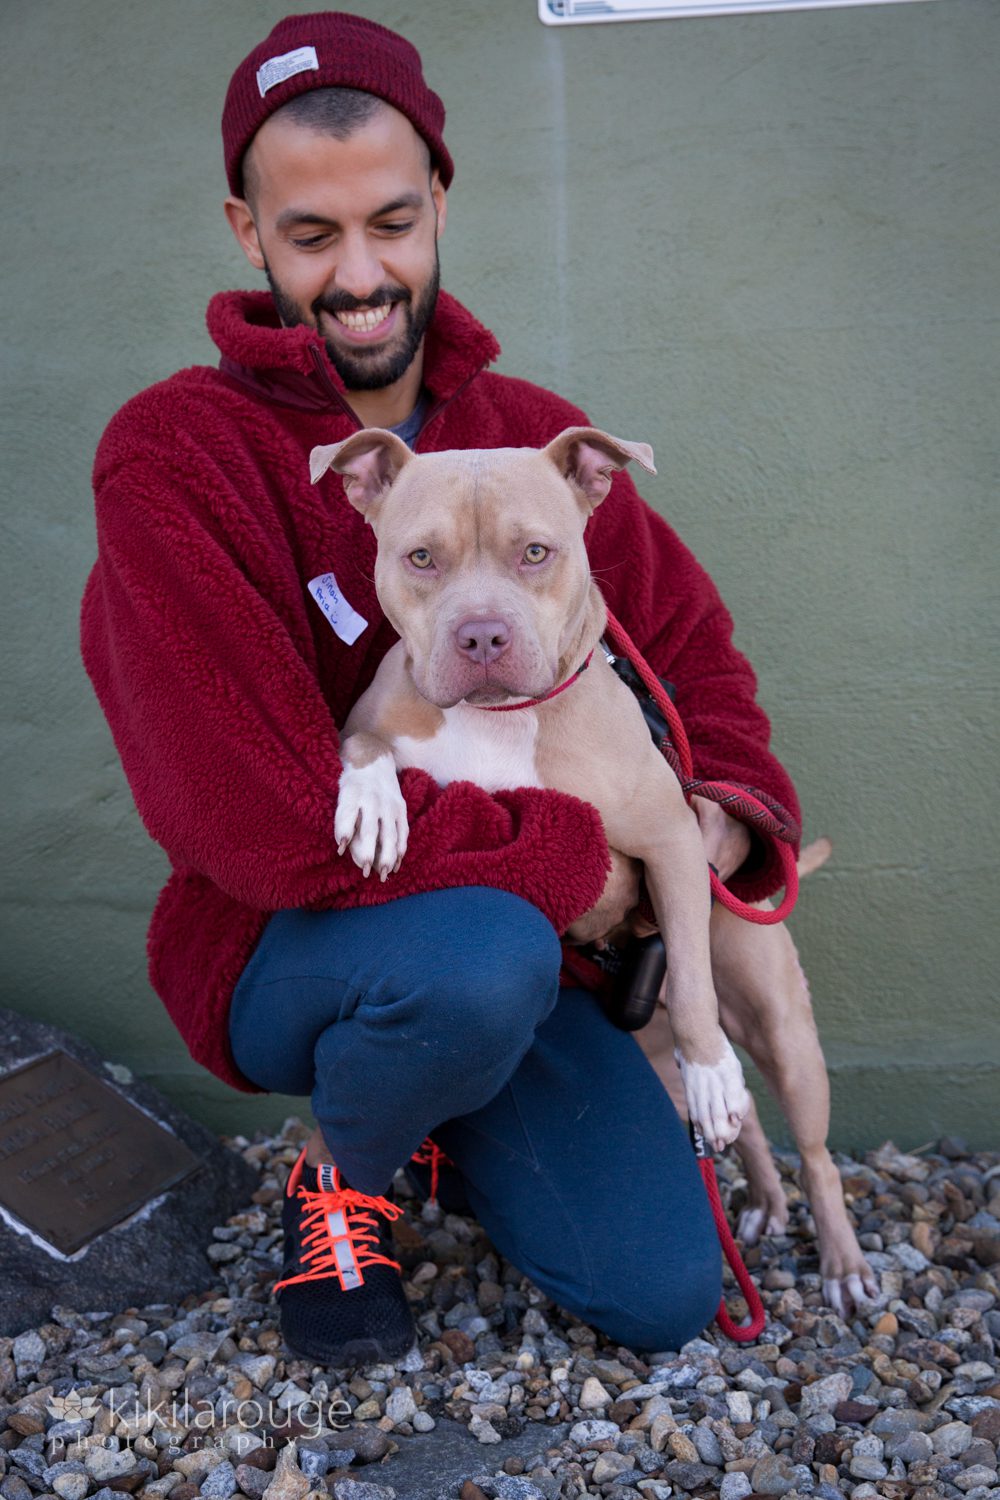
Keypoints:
(535, 553)
(421, 558)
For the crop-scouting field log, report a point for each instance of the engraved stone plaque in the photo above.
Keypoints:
(76, 1157)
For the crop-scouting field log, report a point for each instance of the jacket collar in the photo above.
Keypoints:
(290, 366)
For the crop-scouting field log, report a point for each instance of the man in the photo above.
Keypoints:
(429, 1003)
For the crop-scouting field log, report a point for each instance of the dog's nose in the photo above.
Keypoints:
(482, 640)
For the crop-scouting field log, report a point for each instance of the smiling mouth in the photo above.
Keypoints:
(366, 319)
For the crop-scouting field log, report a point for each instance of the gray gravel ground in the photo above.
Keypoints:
(200, 1399)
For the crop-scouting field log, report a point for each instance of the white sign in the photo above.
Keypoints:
(581, 12)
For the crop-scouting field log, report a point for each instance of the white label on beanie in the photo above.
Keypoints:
(342, 616)
(277, 69)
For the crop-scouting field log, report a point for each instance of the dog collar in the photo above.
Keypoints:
(509, 708)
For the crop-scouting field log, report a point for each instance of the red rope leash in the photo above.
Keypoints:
(743, 1333)
(749, 806)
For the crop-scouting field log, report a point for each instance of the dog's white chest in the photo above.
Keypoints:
(495, 750)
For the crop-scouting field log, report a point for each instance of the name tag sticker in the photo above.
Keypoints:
(342, 616)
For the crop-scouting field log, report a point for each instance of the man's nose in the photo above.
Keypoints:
(482, 640)
(359, 269)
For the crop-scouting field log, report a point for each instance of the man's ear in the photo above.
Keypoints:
(440, 198)
(588, 458)
(241, 222)
(369, 460)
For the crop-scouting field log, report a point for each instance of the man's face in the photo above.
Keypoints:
(346, 232)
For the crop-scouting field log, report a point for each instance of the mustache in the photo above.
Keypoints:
(383, 296)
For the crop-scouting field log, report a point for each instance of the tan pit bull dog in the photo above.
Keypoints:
(483, 573)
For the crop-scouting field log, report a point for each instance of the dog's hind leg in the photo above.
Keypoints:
(766, 1208)
(765, 1007)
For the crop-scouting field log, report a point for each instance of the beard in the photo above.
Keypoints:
(371, 369)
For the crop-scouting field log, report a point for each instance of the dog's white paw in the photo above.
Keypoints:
(756, 1222)
(849, 1288)
(717, 1097)
(371, 818)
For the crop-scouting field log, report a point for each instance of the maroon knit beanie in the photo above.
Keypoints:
(329, 48)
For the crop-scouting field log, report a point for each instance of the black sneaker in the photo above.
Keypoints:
(340, 1296)
(436, 1179)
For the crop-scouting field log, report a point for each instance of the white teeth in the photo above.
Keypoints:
(363, 322)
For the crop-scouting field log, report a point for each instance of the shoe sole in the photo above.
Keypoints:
(356, 1352)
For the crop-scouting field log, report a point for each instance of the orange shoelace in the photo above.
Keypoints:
(430, 1155)
(340, 1229)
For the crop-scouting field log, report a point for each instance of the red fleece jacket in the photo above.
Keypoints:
(224, 684)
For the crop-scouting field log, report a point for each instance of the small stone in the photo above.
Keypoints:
(252, 1481)
(103, 1464)
(609, 1466)
(977, 1474)
(517, 1487)
(593, 1396)
(484, 1431)
(854, 1412)
(220, 1483)
(362, 1489)
(661, 1429)
(369, 1443)
(909, 1447)
(70, 1486)
(582, 1434)
(825, 1395)
(772, 1475)
(689, 1476)
(463, 1350)
(15, 1488)
(28, 1352)
(423, 1421)
(220, 1254)
(400, 1405)
(952, 1439)
(739, 1406)
(682, 1447)
(288, 1481)
(25, 1423)
(735, 1486)
(887, 1325)
(863, 1467)
(258, 1368)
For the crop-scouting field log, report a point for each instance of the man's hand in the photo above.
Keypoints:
(726, 839)
(620, 895)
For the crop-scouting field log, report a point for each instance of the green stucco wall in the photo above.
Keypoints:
(765, 244)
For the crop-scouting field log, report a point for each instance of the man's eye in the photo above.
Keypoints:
(421, 558)
(311, 243)
(396, 226)
(535, 553)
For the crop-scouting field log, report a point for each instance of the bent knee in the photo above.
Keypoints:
(509, 968)
(663, 1312)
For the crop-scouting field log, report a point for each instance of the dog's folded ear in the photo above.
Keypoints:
(588, 458)
(369, 460)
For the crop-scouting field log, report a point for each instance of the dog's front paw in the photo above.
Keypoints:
(716, 1094)
(371, 816)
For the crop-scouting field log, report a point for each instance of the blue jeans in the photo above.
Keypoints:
(441, 1014)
